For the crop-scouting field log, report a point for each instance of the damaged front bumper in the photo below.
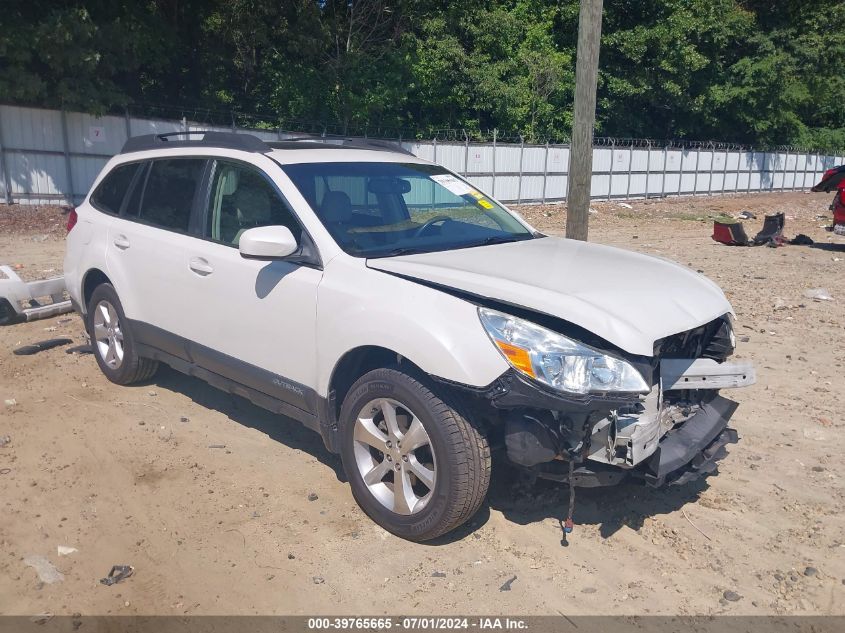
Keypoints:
(672, 435)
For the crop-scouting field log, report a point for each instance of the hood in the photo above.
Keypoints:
(628, 299)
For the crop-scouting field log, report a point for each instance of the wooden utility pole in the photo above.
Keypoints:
(581, 152)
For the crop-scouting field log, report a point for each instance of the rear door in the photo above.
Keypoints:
(257, 322)
(147, 251)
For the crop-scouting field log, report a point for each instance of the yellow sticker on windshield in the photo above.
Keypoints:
(476, 194)
(485, 204)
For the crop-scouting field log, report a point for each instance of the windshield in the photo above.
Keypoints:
(384, 209)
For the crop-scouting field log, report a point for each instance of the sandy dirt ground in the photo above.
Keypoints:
(128, 475)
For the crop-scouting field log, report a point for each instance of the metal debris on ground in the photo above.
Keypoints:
(28, 350)
(5, 440)
(508, 583)
(117, 573)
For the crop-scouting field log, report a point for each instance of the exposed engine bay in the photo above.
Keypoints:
(674, 433)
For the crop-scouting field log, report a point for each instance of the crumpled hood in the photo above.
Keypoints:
(627, 298)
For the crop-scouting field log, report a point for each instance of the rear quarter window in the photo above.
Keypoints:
(110, 193)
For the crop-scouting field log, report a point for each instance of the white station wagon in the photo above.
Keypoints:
(411, 320)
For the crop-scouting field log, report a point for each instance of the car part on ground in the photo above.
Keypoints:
(34, 348)
(26, 301)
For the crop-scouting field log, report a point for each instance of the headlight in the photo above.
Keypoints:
(556, 360)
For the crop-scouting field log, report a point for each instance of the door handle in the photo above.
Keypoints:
(122, 242)
(200, 266)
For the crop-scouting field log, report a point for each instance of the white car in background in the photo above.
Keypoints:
(407, 317)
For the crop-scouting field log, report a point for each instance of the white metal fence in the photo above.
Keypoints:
(52, 157)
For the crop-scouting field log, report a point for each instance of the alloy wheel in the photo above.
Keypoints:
(394, 456)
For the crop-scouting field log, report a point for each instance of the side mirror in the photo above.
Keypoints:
(267, 242)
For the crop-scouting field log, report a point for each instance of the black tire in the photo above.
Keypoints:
(133, 368)
(461, 454)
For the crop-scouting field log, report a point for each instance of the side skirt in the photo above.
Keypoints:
(287, 398)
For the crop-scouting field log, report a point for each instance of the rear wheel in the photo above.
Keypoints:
(112, 341)
(416, 466)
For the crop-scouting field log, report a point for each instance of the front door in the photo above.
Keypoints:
(256, 320)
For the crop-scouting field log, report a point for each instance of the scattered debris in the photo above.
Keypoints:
(79, 349)
(5, 471)
(65, 550)
(438, 574)
(746, 215)
(47, 572)
(117, 573)
(318, 580)
(184, 418)
(507, 585)
(5, 440)
(588, 590)
(802, 240)
(730, 233)
(818, 294)
(625, 205)
(312, 496)
(41, 619)
(684, 512)
(216, 446)
(810, 571)
(291, 556)
(10, 402)
(28, 350)
(731, 596)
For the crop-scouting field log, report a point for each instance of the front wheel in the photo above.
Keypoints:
(416, 466)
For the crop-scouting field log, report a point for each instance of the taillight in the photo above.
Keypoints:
(72, 217)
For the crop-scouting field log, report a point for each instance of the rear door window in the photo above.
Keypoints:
(168, 196)
(109, 195)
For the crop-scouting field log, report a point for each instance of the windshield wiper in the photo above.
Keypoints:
(404, 250)
(498, 239)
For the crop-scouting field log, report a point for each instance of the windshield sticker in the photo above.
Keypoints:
(476, 194)
(485, 204)
(451, 183)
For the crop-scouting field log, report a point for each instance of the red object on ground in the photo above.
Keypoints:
(839, 204)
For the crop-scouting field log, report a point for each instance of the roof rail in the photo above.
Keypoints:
(228, 140)
(307, 141)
